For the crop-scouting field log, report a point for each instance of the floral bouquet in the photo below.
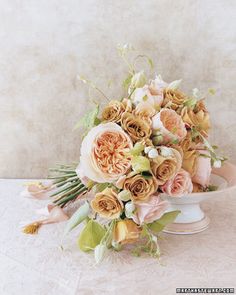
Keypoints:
(152, 142)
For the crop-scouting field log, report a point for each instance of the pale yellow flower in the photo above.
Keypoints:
(126, 232)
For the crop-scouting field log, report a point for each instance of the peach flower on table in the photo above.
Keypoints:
(149, 211)
(104, 153)
(179, 185)
(170, 125)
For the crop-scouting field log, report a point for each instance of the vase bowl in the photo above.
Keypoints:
(192, 219)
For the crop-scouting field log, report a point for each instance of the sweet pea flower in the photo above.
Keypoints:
(150, 210)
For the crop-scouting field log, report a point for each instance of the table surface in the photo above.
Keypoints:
(38, 265)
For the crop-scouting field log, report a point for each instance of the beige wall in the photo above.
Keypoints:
(45, 44)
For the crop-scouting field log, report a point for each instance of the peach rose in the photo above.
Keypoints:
(150, 210)
(174, 98)
(200, 120)
(139, 187)
(166, 165)
(137, 127)
(145, 109)
(113, 111)
(179, 185)
(107, 204)
(170, 125)
(103, 153)
(126, 232)
(203, 169)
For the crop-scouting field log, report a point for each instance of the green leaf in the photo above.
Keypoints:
(91, 236)
(127, 81)
(137, 149)
(158, 225)
(140, 164)
(89, 120)
(150, 62)
(79, 216)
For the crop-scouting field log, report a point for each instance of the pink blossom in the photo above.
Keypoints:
(179, 185)
(150, 210)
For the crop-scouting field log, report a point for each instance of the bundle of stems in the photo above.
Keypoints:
(66, 183)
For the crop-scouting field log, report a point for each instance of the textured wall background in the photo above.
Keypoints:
(46, 43)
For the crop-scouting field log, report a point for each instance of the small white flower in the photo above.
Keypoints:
(166, 152)
(147, 149)
(129, 209)
(99, 252)
(153, 153)
(217, 164)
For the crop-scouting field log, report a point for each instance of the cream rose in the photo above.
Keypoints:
(145, 110)
(170, 125)
(166, 165)
(107, 204)
(103, 153)
(179, 185)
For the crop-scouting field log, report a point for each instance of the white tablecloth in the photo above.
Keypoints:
(31, 265)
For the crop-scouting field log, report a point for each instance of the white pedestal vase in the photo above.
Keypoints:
(192, 218)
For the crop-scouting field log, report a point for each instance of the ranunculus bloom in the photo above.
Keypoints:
(126, 232)
(140, 188)
(165, 167)
(107, 204)
(170, 125)
(173, 98)
(150, 210)
(179, 185)
(103, 153)
(137, 128)
(203, 169)
(200, 120)
(113, 111)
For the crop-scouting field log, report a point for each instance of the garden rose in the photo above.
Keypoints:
(179, 185)
(150, 210)
(140, 188)
(107, 204)
(126, 232)
(137, 128)
(170, 125)
(165, 167)
(103, 153)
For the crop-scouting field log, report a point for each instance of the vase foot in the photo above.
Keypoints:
(188, 228)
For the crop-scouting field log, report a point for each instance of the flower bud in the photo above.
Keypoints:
(138, 80)
(124, 195)
(140, 164)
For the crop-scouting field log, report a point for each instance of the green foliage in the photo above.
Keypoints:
(89, 120)
(91, 236)
(140, 164)
(158, 225)
(79, 216)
